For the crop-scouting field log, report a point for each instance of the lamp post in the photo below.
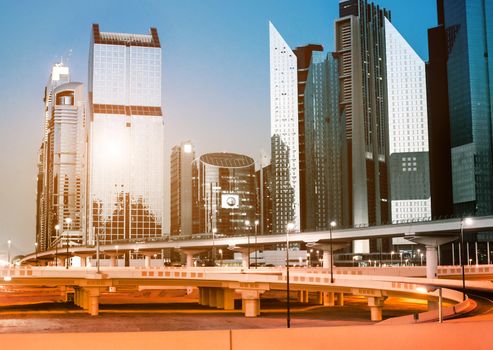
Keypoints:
(9, 242)
(332, 224)
(392, 258)
(463, 221)
(57, 240)
(36, 250)
(214, 231)
(221, 253)
(256, 248)
(247, 225)
(289, 228)
(69, 222)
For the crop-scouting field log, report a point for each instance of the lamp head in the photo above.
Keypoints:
(290, 226)
(333, 224)
(467, 221)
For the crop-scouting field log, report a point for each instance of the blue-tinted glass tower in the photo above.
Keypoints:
(469, 30)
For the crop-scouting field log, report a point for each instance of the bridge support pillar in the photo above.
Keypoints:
(93, 301)
(212, 297)
(303, 296)
(328, 298)
(339, 300)
(219, 298)
(327, 258)
(204, 296)
(113, 261)
(376, 306)
(250, 302)
(228, 299)
(147, 261)
(189, 253)
(431, 243)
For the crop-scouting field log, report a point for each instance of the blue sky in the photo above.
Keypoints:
(215, 73)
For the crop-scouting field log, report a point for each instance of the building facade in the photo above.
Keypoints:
(284, 133)
(224, 194)
(383, 102)
(263, 177)
(62, 164)
(126, 161)
(469, 29)
(303, 59)
(407, 129)
(438, 120)
(182, 157)
(323, 141)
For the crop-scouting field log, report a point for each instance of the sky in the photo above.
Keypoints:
(215, 74)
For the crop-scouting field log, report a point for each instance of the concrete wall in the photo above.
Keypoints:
(412, 337)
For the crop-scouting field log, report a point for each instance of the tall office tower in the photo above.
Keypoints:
(61, 163)
(438, 119)
(224, 193)
(323, 140)
(182, 157)
(263, 177)
(284, 133)
(407, 129)
(380, 100)
(126, 161)
(469, 28)
(303, 57)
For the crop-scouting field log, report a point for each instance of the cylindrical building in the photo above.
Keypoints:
(224, 195)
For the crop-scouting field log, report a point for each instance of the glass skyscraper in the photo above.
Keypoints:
(469, 28)
(284, 133)
(126, 160)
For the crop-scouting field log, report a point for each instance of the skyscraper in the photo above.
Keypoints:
(323, 143)
(383, 103)
(126, 136)
(182, 157)
(438, 119)
(469, 28)
(62, 163)
(224, 193)
(303, 58)
(284, 133)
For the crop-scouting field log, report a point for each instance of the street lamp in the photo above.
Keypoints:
(256, 248)
(392, 258)
(289, 227)
(69, 222)
(332, 224)
(247, 224)
(421, 256)
(466, 221)
(221, 253)
(214, 231)
(36, 251)
(9, 242)
(57, 240)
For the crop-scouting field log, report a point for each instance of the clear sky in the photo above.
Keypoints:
(215, 73)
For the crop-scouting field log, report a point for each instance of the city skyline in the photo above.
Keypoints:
(249, 114)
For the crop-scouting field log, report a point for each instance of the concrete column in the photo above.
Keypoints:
(112, 260)
(228, 299)
(431, 243)
(303, 296)
(83, 261)
(63, 292)
(204, 296)
(189, 260)
(340, 299)
(244, 259)
(328, 299)
(93, 301)
(376, 306)
(212, 297)
(147, 261)
(326, 259)
(219, 298)
(251, 302)
(431, 261)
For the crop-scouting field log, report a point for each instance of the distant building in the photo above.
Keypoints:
(469, 28)
(439, 119)
(324, 131)
(224, 193)
(126, 161)
(263, 177)
(182, 157)
(62, 164)
(303, 58)
(284, 134)
(383, 102)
